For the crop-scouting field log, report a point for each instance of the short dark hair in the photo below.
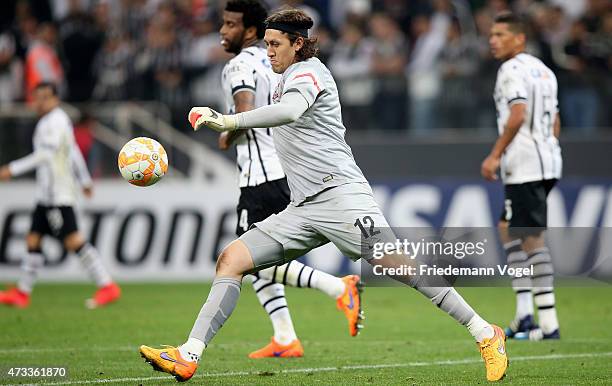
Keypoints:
(298, 20)
(253, 14)
(47, 84)
(516, 24)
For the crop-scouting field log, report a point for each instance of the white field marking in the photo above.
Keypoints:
(339, 368)
(467, 342)
(59, 349)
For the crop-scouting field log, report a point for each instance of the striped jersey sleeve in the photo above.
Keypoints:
(240, 77)
(512, 85)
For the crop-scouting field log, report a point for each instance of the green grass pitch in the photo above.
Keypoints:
(405, 341)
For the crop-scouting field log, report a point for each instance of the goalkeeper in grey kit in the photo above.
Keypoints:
(331, 200)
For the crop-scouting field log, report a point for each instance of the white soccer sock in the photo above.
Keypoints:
(297, 274)
(331, 285)
(524, 305)
(548, 320)
(517, 259)
(31, 264)
(91, 262)
(480, 329)
(272, 298)
(192, 349)
(284, 333)
(547, 313)
(543, 290)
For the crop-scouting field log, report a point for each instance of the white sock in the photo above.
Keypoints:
(480, 329)
(192, 349)
(547, 313)
(548, 320)
(92, 263)
(272, 298)
(517, 259)
(543, 290)
(31, 264)
(297, 274)
(524, 305)
(331, 285)
(284, 333)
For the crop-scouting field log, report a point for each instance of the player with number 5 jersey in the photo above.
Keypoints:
(529, 155)
(534, 154)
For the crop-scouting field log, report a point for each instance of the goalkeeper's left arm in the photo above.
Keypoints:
(291, 106)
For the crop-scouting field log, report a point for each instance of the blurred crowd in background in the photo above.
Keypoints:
(404, 65)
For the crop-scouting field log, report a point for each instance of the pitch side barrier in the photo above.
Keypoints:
(175, 229)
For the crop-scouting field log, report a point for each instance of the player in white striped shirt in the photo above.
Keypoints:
(529, 155)
(60, 171)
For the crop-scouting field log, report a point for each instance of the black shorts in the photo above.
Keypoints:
(56, 221)
(259, 202)
(525, 207)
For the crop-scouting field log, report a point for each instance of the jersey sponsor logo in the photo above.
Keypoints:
(234, 68)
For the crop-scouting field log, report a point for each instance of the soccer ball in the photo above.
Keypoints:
(142, 161)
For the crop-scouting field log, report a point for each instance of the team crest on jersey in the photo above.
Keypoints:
(278, 91)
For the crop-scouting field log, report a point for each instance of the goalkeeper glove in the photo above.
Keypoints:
(206, 117)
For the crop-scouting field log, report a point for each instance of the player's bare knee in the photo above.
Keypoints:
(234, 260)
(227, 264)
(73, 241)
(533, 242)
(33, 241)
(503, 229)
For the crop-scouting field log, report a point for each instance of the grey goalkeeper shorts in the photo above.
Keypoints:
(345, 215)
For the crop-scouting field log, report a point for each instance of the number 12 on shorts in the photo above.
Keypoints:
(369, 222)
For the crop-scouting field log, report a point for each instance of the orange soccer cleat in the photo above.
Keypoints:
(103, 296)
(15, 297)
(493, 353)
(350, 303)
(276, 350)
(169, 360)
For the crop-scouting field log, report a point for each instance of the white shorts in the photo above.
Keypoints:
(346, 215)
